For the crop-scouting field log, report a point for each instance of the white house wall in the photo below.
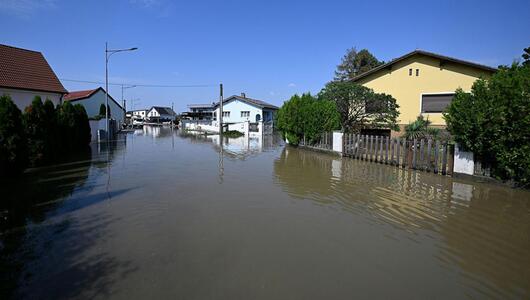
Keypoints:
(235, 107)
(93, 103)
(23, 98)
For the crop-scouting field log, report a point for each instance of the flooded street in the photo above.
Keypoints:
(162, 214)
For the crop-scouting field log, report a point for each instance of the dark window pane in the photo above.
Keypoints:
(435, 103)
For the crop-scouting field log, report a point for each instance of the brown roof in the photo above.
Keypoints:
(426, 53)
(79, 94)
(28, 70)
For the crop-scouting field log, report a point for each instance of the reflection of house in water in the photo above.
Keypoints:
(240, 147)
(155, 131)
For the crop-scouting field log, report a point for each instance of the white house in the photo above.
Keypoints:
(160, 114)
(25, 74)
(139, 114)
(240, 113)
(237, 109)
(92, 101)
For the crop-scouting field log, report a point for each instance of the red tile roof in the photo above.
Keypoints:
(27, 69)
(79, 95)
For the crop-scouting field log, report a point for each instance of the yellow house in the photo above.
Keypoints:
(423, 83)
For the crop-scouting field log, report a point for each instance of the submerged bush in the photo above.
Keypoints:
(13, 147)
(40, 124)
(73, 123)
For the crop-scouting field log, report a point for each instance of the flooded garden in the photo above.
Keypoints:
(160, 213)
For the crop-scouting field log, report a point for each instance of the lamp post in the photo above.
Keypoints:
(108, 53)
(124, 87)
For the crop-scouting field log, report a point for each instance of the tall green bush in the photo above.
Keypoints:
(306, 115)
(73, 123)
(493, 121)
(13, 148)
(40, 125)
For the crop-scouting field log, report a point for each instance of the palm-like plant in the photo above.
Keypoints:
(420, 129)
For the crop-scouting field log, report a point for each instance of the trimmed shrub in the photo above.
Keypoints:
(13, 148)
(306, 115)
(40, 124)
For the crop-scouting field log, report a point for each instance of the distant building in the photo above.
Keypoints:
(423, 83)
(92, 101)
(237, 109)
(200, 112)
(160, 114)
(25, 74)
(139, 114)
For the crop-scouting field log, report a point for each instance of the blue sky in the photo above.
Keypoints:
(268, 49)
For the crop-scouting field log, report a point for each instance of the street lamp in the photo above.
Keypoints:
(124, 87)
(108, 53)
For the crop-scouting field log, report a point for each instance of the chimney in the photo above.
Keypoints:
(243, 95)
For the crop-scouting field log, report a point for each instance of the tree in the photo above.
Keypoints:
(493, 121)
(306, 116)
(354, 63)
(35, 127)
(74, 125)
(526, 56)
(360, 107)
(102, 111)
(13, 148)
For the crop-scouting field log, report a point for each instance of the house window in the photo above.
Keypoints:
(410, 72)
(435, 103)
(417, 72)
(245, 114)
(226, 114)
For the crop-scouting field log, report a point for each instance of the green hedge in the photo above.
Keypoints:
(41, 135)
(493, 121)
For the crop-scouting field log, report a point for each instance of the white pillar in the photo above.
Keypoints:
(337, 141)
(464, 162)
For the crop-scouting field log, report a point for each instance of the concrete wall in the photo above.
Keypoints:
(23, 98)
(93, 103)
(463, 162)
(433, 78)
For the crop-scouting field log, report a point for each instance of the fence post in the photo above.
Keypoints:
(381, 150)
(429, 149)
(387, 141)
(436, 150)
(444, 159)
(421, 164)
(405, 154)
(398, 154)
(414, 154)
(376, 148)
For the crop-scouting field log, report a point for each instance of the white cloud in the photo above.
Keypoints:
(291, 85)
(272, 93)
(25, 8)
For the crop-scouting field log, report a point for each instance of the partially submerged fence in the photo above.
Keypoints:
(419, 154)
(323, 142)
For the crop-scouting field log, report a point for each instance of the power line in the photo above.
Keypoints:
(144, 85)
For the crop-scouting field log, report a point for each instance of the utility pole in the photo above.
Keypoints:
(173, 114)
(220, 111)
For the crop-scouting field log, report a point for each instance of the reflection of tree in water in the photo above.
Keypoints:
(483, 228)
(34, 246)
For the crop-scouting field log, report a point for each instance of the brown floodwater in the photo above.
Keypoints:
(161, 214)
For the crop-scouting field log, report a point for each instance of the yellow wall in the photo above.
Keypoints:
(407, 90)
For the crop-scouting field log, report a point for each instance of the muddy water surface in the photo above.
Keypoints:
(160, 214)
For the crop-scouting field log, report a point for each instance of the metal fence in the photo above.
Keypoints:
(419, 154)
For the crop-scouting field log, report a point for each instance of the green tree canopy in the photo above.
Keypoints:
(493, 121)
(306, 115)
(354, 63)
(360, 107)
(13, 147)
